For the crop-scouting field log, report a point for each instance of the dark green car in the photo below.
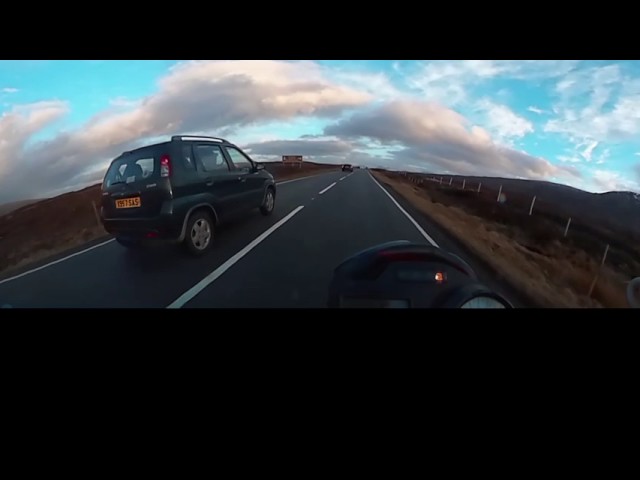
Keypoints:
(181, 190)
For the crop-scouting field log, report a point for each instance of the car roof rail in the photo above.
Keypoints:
(198, 137)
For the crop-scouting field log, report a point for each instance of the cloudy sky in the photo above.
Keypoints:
(573, 122)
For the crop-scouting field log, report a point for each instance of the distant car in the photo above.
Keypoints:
(347, 168)
(179, 191)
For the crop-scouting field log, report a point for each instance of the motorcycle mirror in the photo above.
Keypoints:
(633, 293)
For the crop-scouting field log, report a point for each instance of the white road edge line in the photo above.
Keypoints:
(420, 229)
(213, 276)
(330, 186)
(342, 178)
(42, 267)
(113, 239)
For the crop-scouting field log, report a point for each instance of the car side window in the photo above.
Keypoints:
(210, 158)
(187, 156)
(239, 159)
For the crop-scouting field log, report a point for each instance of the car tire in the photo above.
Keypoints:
(199, 234)
(130, 244)
(269, 202)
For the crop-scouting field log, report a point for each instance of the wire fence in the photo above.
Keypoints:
(542, 219)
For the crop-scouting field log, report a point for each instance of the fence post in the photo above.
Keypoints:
(595, 279)
(440, 180)
(450, 181)
(464, 182)
(479, 185)
(566, 229)
(95, 211)
(532, 204)
(499, 193)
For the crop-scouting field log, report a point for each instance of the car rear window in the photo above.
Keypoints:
(133, 167)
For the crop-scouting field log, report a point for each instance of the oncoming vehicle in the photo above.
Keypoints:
(179, 191)
(347, 168)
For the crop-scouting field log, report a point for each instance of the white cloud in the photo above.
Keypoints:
(448, 81)
(607, 181)
(586, 154)
(376, 84)
(585, 151)
(502, 122)
(539, 69)
(9, 90)
(316, 148)
(611, 112)
(603, 157)
(243, 99)
(16, 127)
(619, 124)
(193, 97)
(568, 159)
(442, 139)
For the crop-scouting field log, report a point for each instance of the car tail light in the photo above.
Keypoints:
(165, 166)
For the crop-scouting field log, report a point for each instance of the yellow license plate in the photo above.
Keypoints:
(128, 202)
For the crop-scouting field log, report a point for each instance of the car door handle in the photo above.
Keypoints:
(242, 179)
(209, 182)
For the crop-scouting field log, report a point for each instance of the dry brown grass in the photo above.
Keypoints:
(48, 227)
(36, 251)
(534, 262)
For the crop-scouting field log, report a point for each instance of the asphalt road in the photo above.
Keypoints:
(285, 260)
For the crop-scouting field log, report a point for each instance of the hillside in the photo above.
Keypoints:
(618, 211)
(6, 208)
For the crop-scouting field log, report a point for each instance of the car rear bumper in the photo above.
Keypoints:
(161, 228)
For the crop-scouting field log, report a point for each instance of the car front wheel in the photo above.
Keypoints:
(269, 202)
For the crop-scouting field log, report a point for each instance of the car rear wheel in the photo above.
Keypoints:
(269, 202)
(199, 236)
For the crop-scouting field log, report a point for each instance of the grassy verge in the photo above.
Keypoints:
(530, 252)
